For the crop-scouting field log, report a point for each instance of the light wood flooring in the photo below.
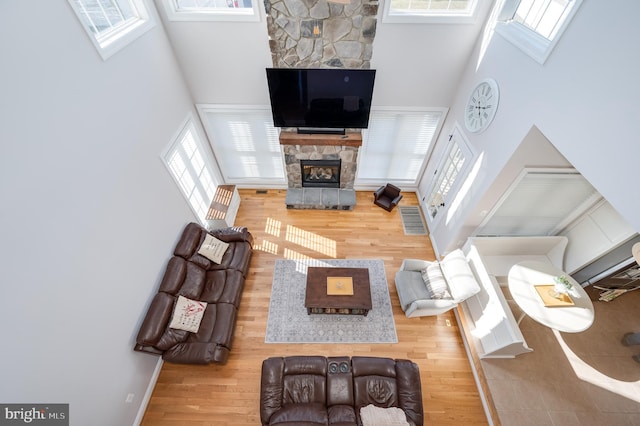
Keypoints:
(229, 394)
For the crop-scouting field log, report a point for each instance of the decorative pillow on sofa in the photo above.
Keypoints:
(372, 415)
(456, 270)
(435, 282)
(213, 249)
(187, 314)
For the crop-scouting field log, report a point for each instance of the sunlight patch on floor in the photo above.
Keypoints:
(267, 247)
(584, 371)
(311, 241)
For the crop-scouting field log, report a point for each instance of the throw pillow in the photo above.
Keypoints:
(372, 415)
(213, 249)
(458, 274)
(187, 314)
(435, 283)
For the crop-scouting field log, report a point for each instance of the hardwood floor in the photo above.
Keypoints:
(229, 394)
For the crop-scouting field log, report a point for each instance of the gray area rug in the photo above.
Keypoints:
(412, 221)
(288, 321)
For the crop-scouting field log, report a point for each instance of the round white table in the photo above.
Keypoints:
(524, 276)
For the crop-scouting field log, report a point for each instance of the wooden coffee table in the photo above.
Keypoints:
(349, 287)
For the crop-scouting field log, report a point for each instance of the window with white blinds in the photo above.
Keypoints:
(540, 203)
(112, 24)
(436, 11)
(245, 143)
(212, 10)
(395, 146)
(191, 167)
(535, 26)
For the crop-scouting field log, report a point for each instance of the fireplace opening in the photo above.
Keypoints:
(320, 173)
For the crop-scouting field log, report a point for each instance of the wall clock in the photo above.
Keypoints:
(481, 106)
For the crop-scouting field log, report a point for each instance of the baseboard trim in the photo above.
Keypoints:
(478, 375)
(148, 393)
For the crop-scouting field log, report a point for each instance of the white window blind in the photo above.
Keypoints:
(245, 143)
(449, 11)
(543, 16)
(535, 26)
(540, 203)
(212, 10)
(188, 161)
(396, 144)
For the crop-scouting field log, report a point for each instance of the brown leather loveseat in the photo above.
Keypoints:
(317, 390)
(197, 278)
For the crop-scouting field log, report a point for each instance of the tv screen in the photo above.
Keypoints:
(324, 98)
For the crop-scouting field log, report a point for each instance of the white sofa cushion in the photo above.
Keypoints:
(456, 270)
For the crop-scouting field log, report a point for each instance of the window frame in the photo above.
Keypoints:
(251, 14)
(388, 113)
(413, 17)
(252, 154)
(189, 126)
(527, 39)
(115, 39)
(457, 137)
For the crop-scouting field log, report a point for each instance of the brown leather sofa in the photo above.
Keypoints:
(316, 390)
(195, 277)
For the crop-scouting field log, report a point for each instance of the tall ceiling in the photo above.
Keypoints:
(417, 64)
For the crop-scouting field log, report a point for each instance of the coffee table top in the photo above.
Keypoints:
(317, 297)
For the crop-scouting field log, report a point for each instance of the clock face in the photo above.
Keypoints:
(482, 106)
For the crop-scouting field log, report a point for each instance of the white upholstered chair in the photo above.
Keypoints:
(431, 287)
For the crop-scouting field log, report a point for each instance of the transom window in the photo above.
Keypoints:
(212, 10)
(112, 24)
(543, 16)
(397, 11)
(190, 164)
(535, 25)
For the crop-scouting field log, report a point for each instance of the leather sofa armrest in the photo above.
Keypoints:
(272, 387)
(233, 234)
(156, 320)
(196, 353)
(378, 192)
(397, 199)
(410, 391)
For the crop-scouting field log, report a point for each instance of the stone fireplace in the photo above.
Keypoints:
(327, 163)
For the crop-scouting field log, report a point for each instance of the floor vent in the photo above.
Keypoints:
(412, 222)
(261, 191)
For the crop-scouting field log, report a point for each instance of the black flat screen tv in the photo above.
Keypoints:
(314, 99)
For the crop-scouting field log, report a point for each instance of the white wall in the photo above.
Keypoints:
(223, 62)
(584, 100)
(417, 65)
(421, 64)
(89, 213)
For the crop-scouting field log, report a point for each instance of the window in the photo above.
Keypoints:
(245, 143)
(455, 161)
(437, 11)
(540, 202)
(396, 144)
(112, 24)
(212, 10)
(535, 25)
(190, 164)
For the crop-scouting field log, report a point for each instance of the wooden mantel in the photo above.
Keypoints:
(351, 138)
